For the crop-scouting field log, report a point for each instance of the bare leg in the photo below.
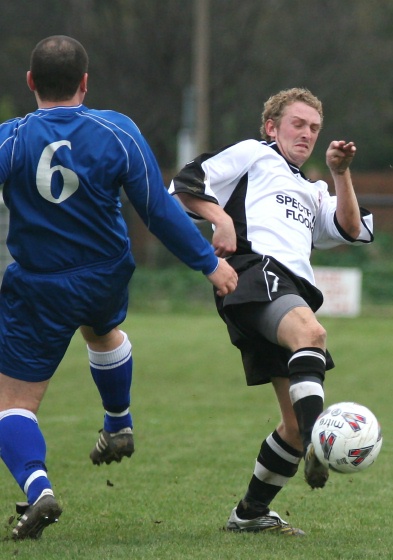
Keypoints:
(300, 331)
(288, 429)
(15, 393)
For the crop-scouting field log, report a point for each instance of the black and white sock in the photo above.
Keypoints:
(276, 464)
(306, 375)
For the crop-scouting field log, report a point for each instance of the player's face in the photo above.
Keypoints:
(297, 132)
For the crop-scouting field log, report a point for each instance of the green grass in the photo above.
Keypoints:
(198, 431)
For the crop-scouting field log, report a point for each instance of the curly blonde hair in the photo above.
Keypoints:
(274, 107)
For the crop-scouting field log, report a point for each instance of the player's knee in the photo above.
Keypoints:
(317, 336)
(299, 331)
(311, 334)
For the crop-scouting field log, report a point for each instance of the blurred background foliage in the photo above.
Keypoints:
(142, 60)
(144, 57)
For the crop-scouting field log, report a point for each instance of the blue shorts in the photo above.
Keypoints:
(39, 313)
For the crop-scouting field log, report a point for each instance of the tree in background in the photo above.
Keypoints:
(143, 61)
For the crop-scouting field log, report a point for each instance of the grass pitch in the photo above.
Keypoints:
(198, 429)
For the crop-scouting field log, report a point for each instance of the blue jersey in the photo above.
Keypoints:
(62, 170)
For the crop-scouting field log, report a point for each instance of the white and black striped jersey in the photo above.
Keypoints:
(276, 210)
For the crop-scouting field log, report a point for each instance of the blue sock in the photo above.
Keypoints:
(23, 450)
(112, 374)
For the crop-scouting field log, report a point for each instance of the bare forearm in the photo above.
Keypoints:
(224, 236)
(347, 212)
(339, 157)
(209, 211)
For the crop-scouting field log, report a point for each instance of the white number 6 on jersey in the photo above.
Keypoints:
(45, 173)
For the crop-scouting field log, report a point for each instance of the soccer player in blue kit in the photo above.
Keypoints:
(62, 168)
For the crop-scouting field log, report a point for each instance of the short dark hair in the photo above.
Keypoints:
(58, 64)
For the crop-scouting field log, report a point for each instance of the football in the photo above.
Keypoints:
(347, 437)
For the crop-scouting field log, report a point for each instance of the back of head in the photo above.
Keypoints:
(57, 65)
(275, 105)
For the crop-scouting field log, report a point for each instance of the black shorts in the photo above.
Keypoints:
(262, 280)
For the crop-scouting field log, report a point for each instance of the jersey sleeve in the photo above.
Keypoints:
(327, 231)
(6, 146)
(191, 180)
(214, 176)
(162, 214)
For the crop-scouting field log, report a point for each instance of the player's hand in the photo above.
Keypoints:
(339, 156)
(224, 278)
(224, 237)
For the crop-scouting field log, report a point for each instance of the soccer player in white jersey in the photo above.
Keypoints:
(62, 168)
(267, 217)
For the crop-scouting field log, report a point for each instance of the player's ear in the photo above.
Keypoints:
(30, 81)
(83, 84)
(270, 128)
